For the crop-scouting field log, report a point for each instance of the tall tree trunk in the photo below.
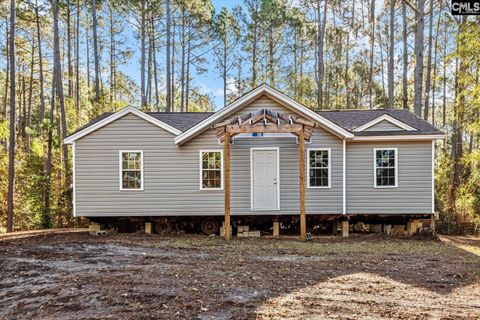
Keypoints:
(87, 42)
(30, 94)
(69, 51)
(420, 23)
(149, 65)
(372, 46)
(390, 56)
(7, 71)
(429, 64)
(444, 112)
(321, 63)
(46, 219)
(182, 70)
(11, 145)
(382, 61)
(434, 87)
(112, 55)
(155, 73)
(173, 65)
(255, 42)
(405, 57)
(59, 92)
(271, 58)
(224, 73)
(95, 50)
(41, 111)
(142, 55)
(77, 59)
(187, 85)
(168, 107)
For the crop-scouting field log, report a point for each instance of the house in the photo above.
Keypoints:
(263, 154)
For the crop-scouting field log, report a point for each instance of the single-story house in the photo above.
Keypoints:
(263, 154)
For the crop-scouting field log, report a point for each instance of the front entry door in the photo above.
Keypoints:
(265, 184)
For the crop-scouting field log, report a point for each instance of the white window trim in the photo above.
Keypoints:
(375, 168)
(120, 170)
(201, 169)
(252, 149)
(329, 168)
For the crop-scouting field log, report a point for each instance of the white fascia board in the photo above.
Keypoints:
(117, 115)
(240, 102)
(400, 137)
(385, 117)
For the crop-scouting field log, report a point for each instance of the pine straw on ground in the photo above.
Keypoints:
(65, 275)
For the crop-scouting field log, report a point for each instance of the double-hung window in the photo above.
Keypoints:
(318, 168)
(211, 169)
(386, 168)
(131, 170)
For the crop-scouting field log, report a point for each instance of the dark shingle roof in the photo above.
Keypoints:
(181, 120)
(352, 119)
(347, 119)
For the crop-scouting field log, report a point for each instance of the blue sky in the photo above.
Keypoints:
(209, 82)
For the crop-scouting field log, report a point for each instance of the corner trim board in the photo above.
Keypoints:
(433, 176)
(74, 197)
(344, 178)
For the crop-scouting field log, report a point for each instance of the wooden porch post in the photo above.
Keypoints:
(303, 218)
(226, 151)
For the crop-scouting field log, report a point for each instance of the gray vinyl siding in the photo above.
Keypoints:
(384, 125)
(172, 173)
(414, 191)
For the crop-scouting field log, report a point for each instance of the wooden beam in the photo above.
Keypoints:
(304, 121)
(226, 186)
(271, 128)
(303, 217)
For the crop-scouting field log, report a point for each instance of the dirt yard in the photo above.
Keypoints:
(77, 276)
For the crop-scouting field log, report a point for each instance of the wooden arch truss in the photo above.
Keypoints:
(265, 121)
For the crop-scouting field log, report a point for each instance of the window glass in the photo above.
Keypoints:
(385, 168)
(131, 170)
(211, 174)
(319, 166)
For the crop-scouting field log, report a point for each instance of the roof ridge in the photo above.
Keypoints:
(363, 110)
(179, 112)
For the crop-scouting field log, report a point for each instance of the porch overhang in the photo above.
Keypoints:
(265, 121)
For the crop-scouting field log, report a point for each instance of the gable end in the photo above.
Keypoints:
(385, 123)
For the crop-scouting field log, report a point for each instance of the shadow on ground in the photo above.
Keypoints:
(78, 276)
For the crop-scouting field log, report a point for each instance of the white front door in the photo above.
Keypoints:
(264, 184)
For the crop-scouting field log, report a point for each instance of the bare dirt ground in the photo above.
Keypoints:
(72, 275)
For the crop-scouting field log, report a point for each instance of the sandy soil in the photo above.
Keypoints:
(77, 276)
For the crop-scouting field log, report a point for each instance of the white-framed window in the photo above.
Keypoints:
(385, 171)
(318, 167)
(211, 169)
(131, 169)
